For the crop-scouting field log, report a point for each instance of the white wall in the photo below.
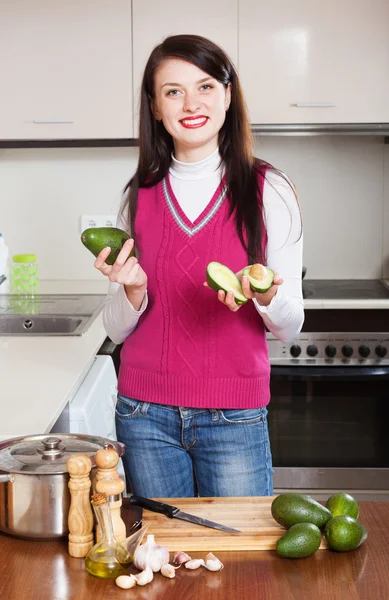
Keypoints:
(341, 182)
(43, 193)
(340, 185)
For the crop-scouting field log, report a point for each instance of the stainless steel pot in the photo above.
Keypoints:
(34, 493)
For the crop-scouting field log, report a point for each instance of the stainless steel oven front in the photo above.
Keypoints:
(329, 410)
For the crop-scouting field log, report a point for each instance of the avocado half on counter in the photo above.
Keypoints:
(98, 238)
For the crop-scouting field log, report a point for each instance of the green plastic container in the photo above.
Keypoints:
(24, 275)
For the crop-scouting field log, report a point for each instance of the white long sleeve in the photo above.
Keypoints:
(193, 185)
(284, 316)
(119, 316)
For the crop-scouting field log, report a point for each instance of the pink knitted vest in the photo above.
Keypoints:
(188, 349)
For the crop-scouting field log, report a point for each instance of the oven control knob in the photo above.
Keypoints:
(312, 350)
(330, 351)
(381, 351)
(295, 351)
(347, 351)
(364, 351)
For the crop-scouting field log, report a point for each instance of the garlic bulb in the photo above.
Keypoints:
(168, 571)
(151, 555)
(212, 563)
(145, 577)
(181, 558)
(125, 581)
(195, 563)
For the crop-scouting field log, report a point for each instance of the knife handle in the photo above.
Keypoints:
(154, 506)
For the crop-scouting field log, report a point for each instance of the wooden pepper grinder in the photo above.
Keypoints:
(109, 481)
(80, 518)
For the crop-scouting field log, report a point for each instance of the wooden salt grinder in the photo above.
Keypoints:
(80, 518)
(109, 481)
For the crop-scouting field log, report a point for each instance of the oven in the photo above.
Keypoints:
(329, 410)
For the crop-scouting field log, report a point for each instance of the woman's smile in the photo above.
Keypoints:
(194, 122)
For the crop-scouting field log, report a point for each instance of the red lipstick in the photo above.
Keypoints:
(194, 122)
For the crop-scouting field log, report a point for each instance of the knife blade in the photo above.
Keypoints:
(175, 513)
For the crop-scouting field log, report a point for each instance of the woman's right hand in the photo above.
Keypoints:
(126, 271)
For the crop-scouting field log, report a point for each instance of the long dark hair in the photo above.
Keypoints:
(235, 141)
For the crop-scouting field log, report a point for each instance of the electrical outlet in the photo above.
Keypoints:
(88, 221)
(107, 220)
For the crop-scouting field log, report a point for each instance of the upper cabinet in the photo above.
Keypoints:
(65, 69)
(315, 62)
(154, 20)
(72, 70)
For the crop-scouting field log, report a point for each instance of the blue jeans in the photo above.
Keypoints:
(184, 452)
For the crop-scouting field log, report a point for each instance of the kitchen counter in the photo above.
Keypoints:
(44, 571)
(39, 375)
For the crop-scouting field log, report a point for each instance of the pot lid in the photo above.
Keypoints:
(47, 454)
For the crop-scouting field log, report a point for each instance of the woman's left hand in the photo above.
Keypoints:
(263, 299)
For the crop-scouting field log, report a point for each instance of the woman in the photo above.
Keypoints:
(194, 375)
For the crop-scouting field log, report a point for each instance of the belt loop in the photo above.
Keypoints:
(144, 408)
(215, 414)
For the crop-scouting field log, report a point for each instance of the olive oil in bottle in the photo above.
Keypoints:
(108, 558)
(106, 565)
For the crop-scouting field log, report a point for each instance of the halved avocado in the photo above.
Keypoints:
(260, 277)
(220, 277)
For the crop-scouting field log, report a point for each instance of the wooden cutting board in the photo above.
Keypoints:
(251, 515)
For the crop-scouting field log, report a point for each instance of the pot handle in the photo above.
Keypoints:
(8, 477)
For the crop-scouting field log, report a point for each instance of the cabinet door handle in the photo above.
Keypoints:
(52, 122)
(314, 105)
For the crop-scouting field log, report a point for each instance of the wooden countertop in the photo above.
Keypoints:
(44, 571)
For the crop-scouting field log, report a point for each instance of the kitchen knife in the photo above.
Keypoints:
(175, 513)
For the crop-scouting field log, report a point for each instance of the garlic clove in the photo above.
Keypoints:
(212, 563)
(195, 563)
(168, 571)
(145, 576)
(181, 558)
(125, 581)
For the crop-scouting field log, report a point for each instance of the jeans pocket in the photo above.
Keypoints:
(127, 408)
(242, 416)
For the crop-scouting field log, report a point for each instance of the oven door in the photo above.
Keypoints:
(329, 430)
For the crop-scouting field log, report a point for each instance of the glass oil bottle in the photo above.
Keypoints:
(108, 558)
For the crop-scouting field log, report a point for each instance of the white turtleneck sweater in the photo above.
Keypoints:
(194, 185)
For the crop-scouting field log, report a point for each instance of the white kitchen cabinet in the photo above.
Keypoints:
(154, 20)
(308, 61)
(65, 69)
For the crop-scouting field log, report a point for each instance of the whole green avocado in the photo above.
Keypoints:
(97, 238)
(301, 540)
(344, 533)
(290, 509)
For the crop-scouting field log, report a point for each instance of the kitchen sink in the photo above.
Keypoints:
(46, 315)
(43, 325)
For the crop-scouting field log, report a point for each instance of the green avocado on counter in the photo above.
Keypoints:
(301, 540)
(220, 277)
(290, 509)
(343, 504)
(97, 238)
(260, 277)
(344, 533)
